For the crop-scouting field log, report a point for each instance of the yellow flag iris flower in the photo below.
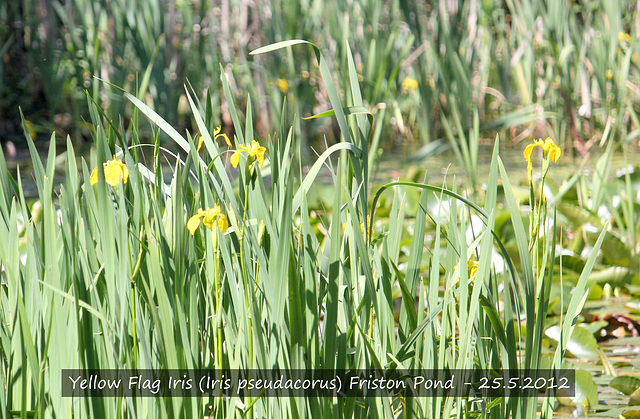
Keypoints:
(548, 146)
(209, 217)
(256, 150)
(216, 134)
(114, 170)
(283, 85)
(472, 268)
(409, 84)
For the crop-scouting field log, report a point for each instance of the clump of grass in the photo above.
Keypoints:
(222, 269)
(446, 72)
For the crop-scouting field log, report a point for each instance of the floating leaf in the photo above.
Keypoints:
(626, 384)
(614, 250)
(578, 216)
(630, 414)
(634, 400)
(614, 275)
(634, 306)
(595, 326)
(582, 344)
(586, 391)
(572, 262)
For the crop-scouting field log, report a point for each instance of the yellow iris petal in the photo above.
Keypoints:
(94, 177)
(472, 266)
(258, 152)
(283, 85)
(200, 142)
(552, 150)
(235, 158)
(527, 156)
(223, 224)
(193, 224)
(209, 217)
(114, 171)
(409, 84)
(549, 148)
(217, 133)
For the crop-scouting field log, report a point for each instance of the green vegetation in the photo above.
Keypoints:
(459, 71)
(234, 256)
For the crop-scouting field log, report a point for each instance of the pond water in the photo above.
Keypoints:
(438, 160)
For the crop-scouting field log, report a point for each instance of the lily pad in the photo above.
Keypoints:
(582, 343)
(626, 384)
(571, 262)
(586, 394)
(614, 250)
(634, 306)
(634, 400)
(614, 275)
(578, 216)
(630, 414)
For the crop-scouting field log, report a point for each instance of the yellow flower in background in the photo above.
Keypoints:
(552, 150)
(31, 129)
(209, 217)
(216, 134)
(362, 227)
(624, 37)
(256, 150)
(472, 268)
(548, 146)
(283, 85)
(114, 170)
(409, 84)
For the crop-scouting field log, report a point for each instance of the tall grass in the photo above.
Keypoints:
(446, 70)
(108, 277)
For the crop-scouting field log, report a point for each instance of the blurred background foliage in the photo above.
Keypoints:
(450, 70)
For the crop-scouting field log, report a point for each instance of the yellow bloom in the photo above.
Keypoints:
(283, 85)
(31, 128)
(624, 37)
(552, 150)
(409, 84)
(362, 227)
(256, 150)
(609, 74)
(472, 268)
(548, 146)
(216, 134)
(114, 170)
(210, 217)
(200, 142)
